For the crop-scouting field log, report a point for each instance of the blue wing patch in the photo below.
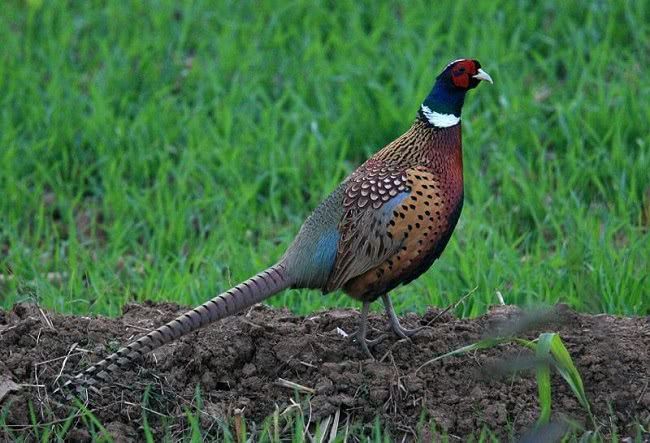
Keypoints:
(390, 205)
(320, 260)
(326, 248)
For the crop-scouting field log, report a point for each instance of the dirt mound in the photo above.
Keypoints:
(240, 363)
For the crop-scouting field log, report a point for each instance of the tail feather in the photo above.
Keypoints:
(252, 291)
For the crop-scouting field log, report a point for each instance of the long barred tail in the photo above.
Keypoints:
(242, 296)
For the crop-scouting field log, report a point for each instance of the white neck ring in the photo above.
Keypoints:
(439, 120)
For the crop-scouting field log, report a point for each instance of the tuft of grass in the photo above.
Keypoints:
(290, 427)
(293, 424)
(550, 349)
(97, 431)
(551, 353)
(146, 429)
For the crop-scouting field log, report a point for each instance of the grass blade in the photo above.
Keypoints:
(543, 374)
(568, 371)
(482, 344)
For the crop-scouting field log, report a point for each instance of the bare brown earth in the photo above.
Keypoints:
(238, 364)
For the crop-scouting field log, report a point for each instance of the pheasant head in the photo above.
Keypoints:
(443, 105)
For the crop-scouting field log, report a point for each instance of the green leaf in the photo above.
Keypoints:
(569, 372)
(543, 374)
(87, 414)
(195, 426)
(148, 435)
(550, 345)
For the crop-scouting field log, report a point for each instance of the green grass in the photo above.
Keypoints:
(292, 424)
(149, 151)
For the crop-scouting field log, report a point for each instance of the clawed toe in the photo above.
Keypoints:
(405, 332)
(395, 325)
(400, 331)
(366, 343)
(370, 342)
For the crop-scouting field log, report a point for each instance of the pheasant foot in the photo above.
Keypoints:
(395, 325)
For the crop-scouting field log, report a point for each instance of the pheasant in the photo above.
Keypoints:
(382, 227)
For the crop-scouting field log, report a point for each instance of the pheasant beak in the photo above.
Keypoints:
(482, 75)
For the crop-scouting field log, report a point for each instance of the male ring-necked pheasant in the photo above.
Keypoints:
(382, 227)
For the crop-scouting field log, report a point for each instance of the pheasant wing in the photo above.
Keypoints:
(371, 195)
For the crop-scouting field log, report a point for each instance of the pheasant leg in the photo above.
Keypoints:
(361, 333)
(394, 321)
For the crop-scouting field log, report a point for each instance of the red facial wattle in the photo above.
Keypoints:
(461, 73)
